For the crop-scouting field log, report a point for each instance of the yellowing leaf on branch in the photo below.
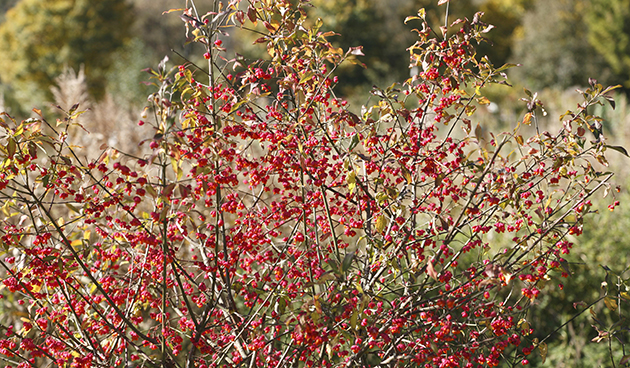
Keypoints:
(610, 303)
(542, 348)
(483, 100)
(381, 223)
(351, 179)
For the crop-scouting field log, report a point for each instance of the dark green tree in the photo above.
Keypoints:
(609, 33)
(506, 17)
(41, 37)
(378, 27)
(554, 49)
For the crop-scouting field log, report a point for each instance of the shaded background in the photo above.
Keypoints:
(92, 52)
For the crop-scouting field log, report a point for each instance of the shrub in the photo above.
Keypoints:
(269, 225)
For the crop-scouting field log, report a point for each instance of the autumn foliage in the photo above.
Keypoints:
(269, 225)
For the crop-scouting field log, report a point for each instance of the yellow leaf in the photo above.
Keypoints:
(483, 100)
(351, 179)
(381, 223)
(173, 10)
(410, 18)
(381, 197)
(610, 303)
(36, 288)
(524, 325)
(174, 164)
(391, 192)
(527, 120)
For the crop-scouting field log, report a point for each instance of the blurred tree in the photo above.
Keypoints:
(159, 32)
(378, 27)
(554, 48)
(41, 37)
(126, 78)
(506, 17)
(5, 5)
(609, 33)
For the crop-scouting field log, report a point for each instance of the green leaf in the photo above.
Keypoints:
(11, 147)
(611, 101)
(347, 262)
(353, 142)
(506, 66)
(151, 191)
(618, 149)
(72, 208)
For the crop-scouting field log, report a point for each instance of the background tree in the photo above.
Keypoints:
(376, 26)
(609, 34)
(554, 49)
(506, 16)
(40, 37)
(5, 6)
